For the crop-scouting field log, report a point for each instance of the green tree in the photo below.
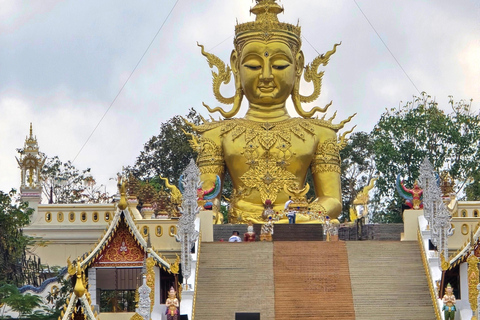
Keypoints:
(472, 190)
(403, 137)
(62, 182)
(358, 167)
(24, 304)
(58, 297)
(13, 243)
(168, 153)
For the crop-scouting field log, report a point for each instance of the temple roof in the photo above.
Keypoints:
(89, 258)
(79, 302)
(86, 309)
(462, 254)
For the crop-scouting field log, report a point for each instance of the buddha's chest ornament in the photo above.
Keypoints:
(267, 153)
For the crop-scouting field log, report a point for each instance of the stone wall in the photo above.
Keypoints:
(385, 232)
(306, 232)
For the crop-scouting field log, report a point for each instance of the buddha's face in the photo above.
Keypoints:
(267, 72)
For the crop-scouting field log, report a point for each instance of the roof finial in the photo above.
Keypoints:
(122, 204)
(79, 287)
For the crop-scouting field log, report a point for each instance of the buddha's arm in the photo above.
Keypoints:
(210, 159)
(326, 174)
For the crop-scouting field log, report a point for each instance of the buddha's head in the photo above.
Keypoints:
(267, 61)
(267, 64)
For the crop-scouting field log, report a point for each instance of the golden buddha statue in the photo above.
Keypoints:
(267, 152)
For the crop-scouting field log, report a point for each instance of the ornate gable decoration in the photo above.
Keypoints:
(121, 250)
(122, 221)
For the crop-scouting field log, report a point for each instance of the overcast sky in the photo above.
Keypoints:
(63, 62)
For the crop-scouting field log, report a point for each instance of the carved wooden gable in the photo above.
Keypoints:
(122, 250)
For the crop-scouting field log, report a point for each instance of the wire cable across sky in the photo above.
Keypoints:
(126, 81)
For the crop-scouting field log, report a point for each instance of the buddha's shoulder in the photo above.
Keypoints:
(312, 125)
(325, 125)
(209, 126)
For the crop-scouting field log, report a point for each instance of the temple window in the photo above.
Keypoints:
(145, 230)
(48, 217)
(107, 216)
(60, 217)
(116, 288)
(83, 217)
(95, 217)
(475, 213)
(71, 216)
(464, 213)
(172, 231)
(158, 231)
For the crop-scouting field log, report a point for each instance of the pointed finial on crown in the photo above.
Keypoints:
(267, 27)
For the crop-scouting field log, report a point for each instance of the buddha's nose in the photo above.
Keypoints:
(266, 74)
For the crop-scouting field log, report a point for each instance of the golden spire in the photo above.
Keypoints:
(31, 144)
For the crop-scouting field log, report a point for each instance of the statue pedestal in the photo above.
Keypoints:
(206, 225)
(410, 224)
(186, 304)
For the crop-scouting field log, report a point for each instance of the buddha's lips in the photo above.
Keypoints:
(266, 89)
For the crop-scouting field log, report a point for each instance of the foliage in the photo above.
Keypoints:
(59, 297)
(13, 243)
(403, 137)
(27, 303)
(168, 153)
(472, 190)
(24, 304)
(358, 168)
(62, 182)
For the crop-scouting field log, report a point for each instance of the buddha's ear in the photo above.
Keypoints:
(300, 63)
(234, 62)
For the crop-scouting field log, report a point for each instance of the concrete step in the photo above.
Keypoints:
(235, 277)
(388, 281)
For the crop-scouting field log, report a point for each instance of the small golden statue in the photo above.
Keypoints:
(267, 150)
(172, 305)
(449, 303)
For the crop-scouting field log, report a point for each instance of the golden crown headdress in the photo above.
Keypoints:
(267, 27)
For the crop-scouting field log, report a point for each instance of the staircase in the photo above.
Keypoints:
(388, 281)
(364, 280)
(312, 281)
(235, 277)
